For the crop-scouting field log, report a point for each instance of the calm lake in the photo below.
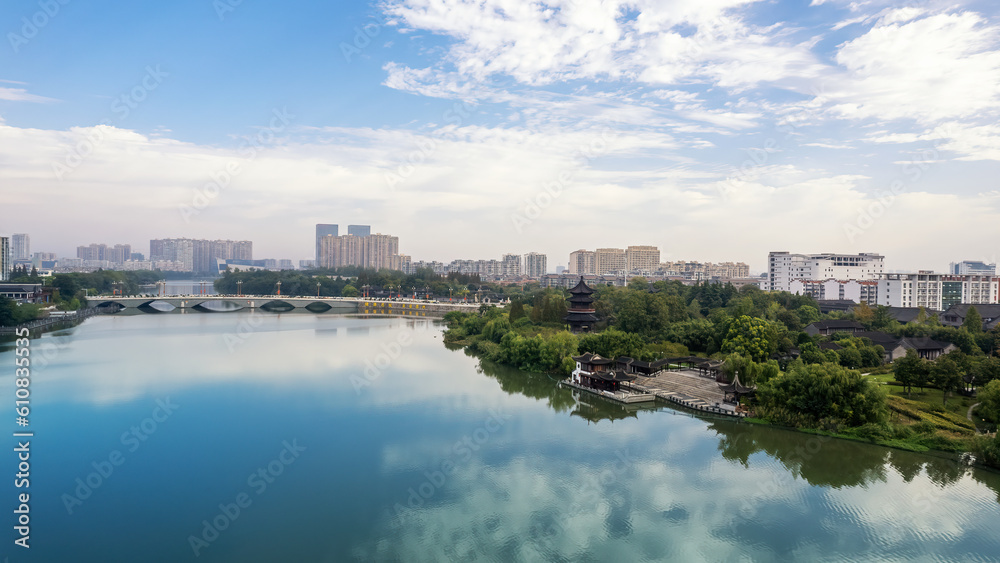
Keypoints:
(301, 437)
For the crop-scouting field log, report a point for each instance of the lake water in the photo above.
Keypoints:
(301, 438)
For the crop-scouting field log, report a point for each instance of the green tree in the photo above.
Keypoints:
(750, 337)
(882, 318)
(555, 349)
(821, 394)
(863, 314)
(989, 401)
(849, 357)
(910, 370)
(516, 311)
(807, 315)
(638, 283)
(349, 291)
(973, 321)
(947, 373)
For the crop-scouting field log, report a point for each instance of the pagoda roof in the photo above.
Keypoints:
(581, 288)
(575, 316)
(593, 359)
(737, 387)
(613, 375)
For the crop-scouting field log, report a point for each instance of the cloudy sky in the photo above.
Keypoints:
(715, 129)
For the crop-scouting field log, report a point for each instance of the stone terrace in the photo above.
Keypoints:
(685, 385)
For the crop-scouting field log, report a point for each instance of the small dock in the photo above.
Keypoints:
(627, 396)
(688, 389)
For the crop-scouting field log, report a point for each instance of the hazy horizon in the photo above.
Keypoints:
(716, 131)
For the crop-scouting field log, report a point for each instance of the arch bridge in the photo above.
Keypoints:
(319, 305)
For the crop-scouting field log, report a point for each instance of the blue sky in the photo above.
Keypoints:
(715, 129)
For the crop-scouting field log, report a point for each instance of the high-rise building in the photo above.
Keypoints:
(5, 258)
(324, 230)
(535, 265)
(966, 267)
(119, 253)
(610, 261)
(511, 265)
(359, 230)
(179, 250)
(582, 262)
(642, 258)
(374, 251)
(706, 270)
(784, 268)
(20, 246)
(936, 291)
(93, 251)
(199, 255)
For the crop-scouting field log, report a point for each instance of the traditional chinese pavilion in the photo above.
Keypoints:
(594, 372)
(581, 317)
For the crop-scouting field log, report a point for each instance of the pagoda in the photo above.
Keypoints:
(581, 317)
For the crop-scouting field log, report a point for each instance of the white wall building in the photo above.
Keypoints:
(936, 291)
(784, 268)
(856, 290)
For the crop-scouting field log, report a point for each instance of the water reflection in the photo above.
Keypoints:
(587, 406)
(819, 460)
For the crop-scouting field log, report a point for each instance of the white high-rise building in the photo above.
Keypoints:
(784, 268)
(937, 291)
(535, 265)
(20, 246)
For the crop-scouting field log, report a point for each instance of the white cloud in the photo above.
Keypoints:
(938, 67)
(22, 95)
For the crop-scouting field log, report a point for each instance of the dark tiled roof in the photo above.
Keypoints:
(883, 339)
(836, 323)
(924, 343)
(909, 314)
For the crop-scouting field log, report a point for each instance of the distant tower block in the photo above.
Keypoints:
(581, 317)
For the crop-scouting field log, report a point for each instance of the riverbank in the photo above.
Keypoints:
(51, 323)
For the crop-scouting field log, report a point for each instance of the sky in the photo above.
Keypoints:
(717, 130)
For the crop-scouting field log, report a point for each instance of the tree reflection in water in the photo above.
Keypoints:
(821, 461)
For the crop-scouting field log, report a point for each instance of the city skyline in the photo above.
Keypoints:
(551, 265)
(732, 126)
